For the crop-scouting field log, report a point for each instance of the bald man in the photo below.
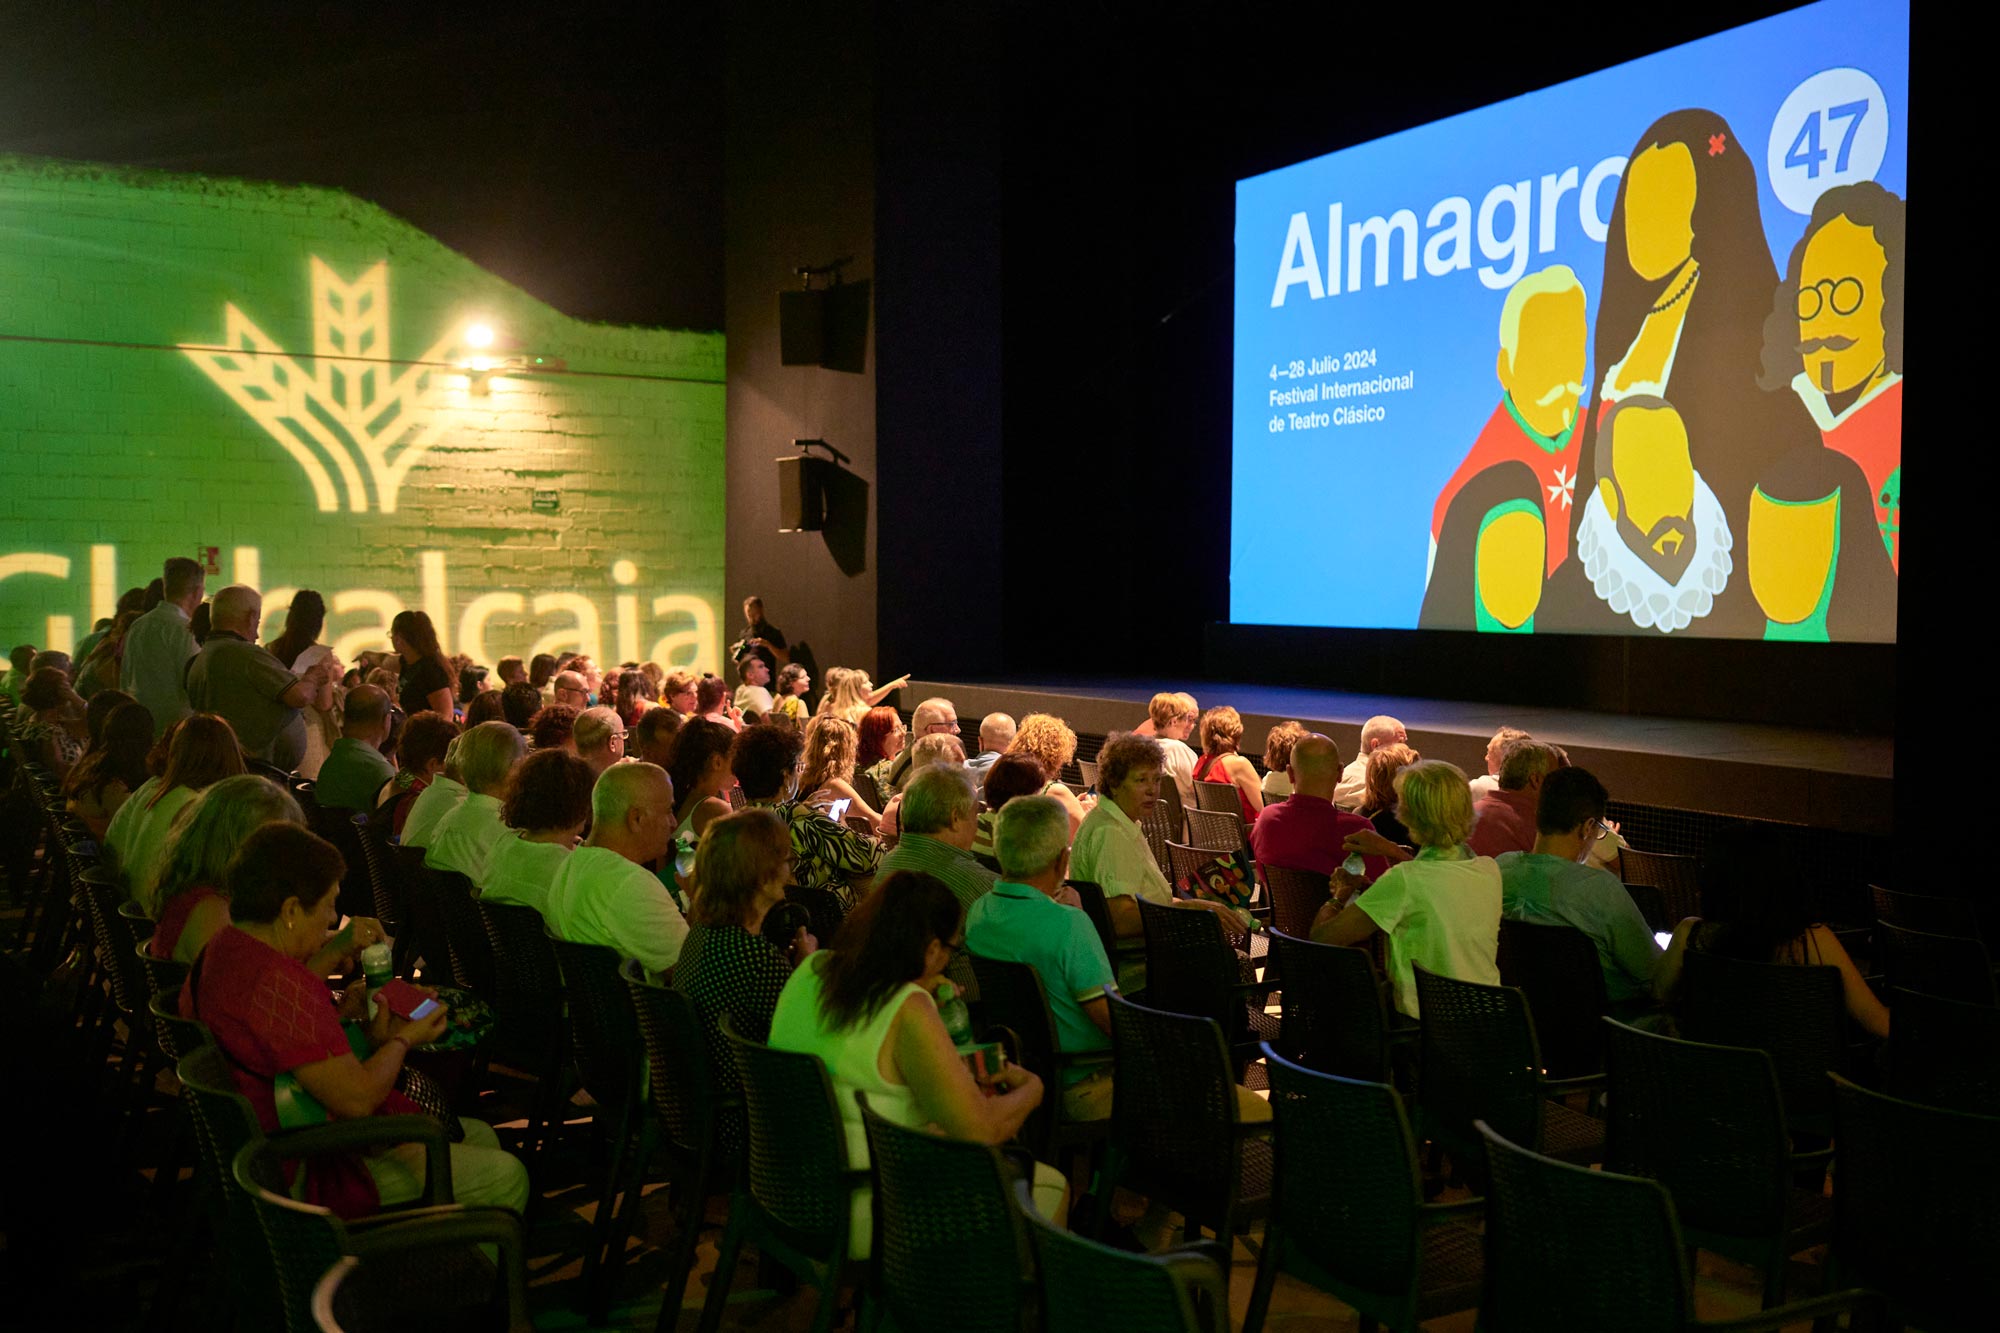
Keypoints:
(236, 678)
(604, 893)
(355, 768)
(1376, 732)
(1308, 832)
(996, 733)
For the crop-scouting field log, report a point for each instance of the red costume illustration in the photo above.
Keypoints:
(1871, 433)
(1507, 438)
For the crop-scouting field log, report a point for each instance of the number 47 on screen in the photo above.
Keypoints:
(1806, 151)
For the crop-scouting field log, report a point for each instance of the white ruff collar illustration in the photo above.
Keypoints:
(1632, 588)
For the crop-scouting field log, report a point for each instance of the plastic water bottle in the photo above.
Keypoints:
(957, 1018)
(377, 966)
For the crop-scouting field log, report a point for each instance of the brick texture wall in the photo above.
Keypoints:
(574, 505)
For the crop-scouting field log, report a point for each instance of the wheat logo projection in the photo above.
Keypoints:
(354, 416)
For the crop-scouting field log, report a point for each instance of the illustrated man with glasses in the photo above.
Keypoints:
(1835, 338)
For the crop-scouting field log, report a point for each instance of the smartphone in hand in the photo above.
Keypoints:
(406, 1001)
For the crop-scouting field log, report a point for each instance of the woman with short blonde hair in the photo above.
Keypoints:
(1378, 794)
(1278, 743)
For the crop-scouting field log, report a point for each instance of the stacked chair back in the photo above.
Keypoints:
(527, 993)
(1912, 1216)
(385, 887)
(1674, 876)
(357, 894)
(1220, 797)
(1162, 825)
(1931, 913)
(465, 933)
(161, 973)
(425, 924)
(1794, 1014)
(1480, 1062)
(178, 1037)
(1176, 1136)
(1092, 896)
(1333, 1018)
(1171, 812)
(1191, 968)
(1557, 969)
(1092, 1288)
(223, 1124)
(1347, 1209)
(951, 1250)
(1708, 1123)
(1953, 967)
(1944, 1052)
(604, 1030)
(1296, 897)
(1215, 831)
(1011, 995)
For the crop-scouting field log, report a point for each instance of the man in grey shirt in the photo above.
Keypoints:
(237, 679)
(159, 644)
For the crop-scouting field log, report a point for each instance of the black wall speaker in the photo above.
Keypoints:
(802, 487)
(801, 328)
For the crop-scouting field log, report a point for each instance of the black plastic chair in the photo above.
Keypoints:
(1191, 969)
(951, 1251)
(824, 911)
(424, 922)
(1296, 897)
(1333, 1016)
(1011, 995)
(1708, 1123)
(472, 965)
(1571, 1248)
(1092, 1288)
(1092, 897)
(375, 834)
(1676, 877)
(686, 1103)
(1952, 967)
(530, 1023)
(1944, 1052)
(1163, 824)
(357, 897)
(1652, 905)
(413, 1269)
(1558, 969)
(1933, 914)
(796, 1202)
(1794, 1014)
(1216, 830)
(161, 973)
(1347, 1206)
(1913, 1213)
(1481, 1061)
(1177, 1135)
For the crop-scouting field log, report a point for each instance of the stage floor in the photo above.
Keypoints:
(1794, 774)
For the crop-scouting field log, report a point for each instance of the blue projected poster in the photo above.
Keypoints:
(1623, 356)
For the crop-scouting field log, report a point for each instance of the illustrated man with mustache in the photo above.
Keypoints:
(1654, 549)
(1835, 338)
(1544, 340)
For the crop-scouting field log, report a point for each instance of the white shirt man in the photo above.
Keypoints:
(1376, 732)
(603, 894)
(433, 803)
(753, 695)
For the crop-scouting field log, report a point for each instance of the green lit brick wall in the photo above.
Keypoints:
(290, 376)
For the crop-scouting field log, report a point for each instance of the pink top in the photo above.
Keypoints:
(174, 914)
(1208, 768)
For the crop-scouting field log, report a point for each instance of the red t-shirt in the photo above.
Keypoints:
(1505, 440)
(1872, 435)
(270, 1015)
(174, 918)
(1306, 832)
(1505, 823)
(1209, 769)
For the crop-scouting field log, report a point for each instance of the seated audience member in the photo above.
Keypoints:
(1552, 885)
(864, 1006)
(440, 796)
(1048, 740)
(753, 697)
(259, 988)
(593, 679)
(546, 811)
(541, 671)
(486, 706)
(882, 739)
(201, 750)
(825, 855)
(605, 893)
(18, 663)
(1378, 796)
(519, 702)
(996, 733)
(54, 731)
(1012, 775)
(827, 772)
(637, 696)
(1111, 850)
(1505, 821)
(1376, 732)
(487, 756)
(1170, 720)
(236, 678)
(191, 892)
(510, 671)
(934, 717)
(700, 772)
(554, 728)
(569, 690)
(728, 968)
(1760, 908)
(600, 737)
(1307, 831)
(97, 711)
(681, 692)
(420, 756)
(934, 751)
(105, 778)
(1027, 919)
(711, 701)
(355, 769)
(653, 739)
(1443, 908)
(1221, 732)
(940, 819)
(1278, 742)
(1488, 782)
(790, 705)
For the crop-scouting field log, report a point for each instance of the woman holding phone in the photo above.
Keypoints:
(274, 1019)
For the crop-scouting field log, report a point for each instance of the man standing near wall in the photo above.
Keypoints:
(236, 678)
(159, 644)
(760, 638)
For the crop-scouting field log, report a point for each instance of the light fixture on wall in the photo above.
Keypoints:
(498, 357)
(804, 483)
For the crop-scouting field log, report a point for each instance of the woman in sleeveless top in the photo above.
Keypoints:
(1221, 732)
(865, 1008)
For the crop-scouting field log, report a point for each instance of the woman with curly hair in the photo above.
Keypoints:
(1221, 730)
(1278, 743)
(828, 775)
(547, 807)
(1048, 740)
